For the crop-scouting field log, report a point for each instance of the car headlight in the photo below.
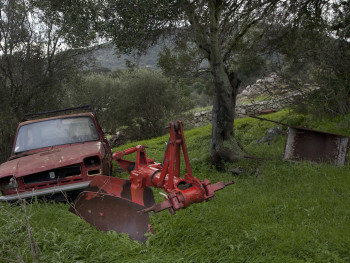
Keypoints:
(8, 183)
(92, 161)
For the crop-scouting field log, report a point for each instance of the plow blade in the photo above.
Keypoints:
(107, 205)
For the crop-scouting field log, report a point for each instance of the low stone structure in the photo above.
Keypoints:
(269, 93)
(200, 119)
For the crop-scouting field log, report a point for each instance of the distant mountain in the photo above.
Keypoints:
(105, 57)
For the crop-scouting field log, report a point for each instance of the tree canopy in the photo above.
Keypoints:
(215, 27)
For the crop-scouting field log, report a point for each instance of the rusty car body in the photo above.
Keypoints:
(55, 156)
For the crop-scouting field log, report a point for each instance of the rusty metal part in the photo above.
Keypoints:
(316, 146)
(107, 204)
(71, 110)
(110, 213)
(312, 145)
(178, 200)
(263, 119)
(266, 111)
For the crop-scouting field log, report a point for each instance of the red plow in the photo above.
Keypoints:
(115, 204)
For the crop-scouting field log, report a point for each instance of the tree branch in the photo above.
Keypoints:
(199, 31)
(245, 29)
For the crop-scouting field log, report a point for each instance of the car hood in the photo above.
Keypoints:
(51, 159)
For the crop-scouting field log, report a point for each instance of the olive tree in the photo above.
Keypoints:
(141, 101)
(215, 27)
(33, 65)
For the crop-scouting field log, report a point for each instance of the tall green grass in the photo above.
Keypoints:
(276, 212)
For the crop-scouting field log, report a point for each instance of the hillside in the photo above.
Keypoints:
(276, 211)
(106, 57)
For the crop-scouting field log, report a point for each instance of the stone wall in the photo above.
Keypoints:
(202, 118)
(277, 97)
(274, 104)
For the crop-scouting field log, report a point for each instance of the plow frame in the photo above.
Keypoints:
(111, 203)
(181, 192)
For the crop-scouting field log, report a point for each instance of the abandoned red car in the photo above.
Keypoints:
(55, 156)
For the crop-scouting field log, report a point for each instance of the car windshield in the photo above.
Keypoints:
(55, 132)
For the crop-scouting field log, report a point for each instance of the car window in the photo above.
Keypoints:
(55, 132)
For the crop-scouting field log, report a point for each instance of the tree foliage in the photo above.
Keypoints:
(33, 67)
(141, 101)
(314, 49)
(148, 101)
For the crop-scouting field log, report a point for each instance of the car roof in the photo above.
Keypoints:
(89, 114)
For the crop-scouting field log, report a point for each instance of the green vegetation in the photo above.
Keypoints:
(140, 100)
(276, 212)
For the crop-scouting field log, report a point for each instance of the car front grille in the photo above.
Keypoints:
(52, 175)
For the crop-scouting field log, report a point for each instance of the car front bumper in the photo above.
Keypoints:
(46, 191)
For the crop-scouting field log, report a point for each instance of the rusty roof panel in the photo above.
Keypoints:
(316, 146)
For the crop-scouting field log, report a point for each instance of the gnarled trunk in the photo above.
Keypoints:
(224, 145)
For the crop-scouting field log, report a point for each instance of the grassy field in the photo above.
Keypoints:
(276, 212)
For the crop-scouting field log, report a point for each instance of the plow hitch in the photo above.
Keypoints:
(111, 203)
(180, 199)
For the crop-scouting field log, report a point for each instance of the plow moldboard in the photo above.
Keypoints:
(111, 213)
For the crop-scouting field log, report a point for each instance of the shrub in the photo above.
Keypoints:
(143, 101)
(147, 101)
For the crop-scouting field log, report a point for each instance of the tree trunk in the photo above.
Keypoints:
(224, 145)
